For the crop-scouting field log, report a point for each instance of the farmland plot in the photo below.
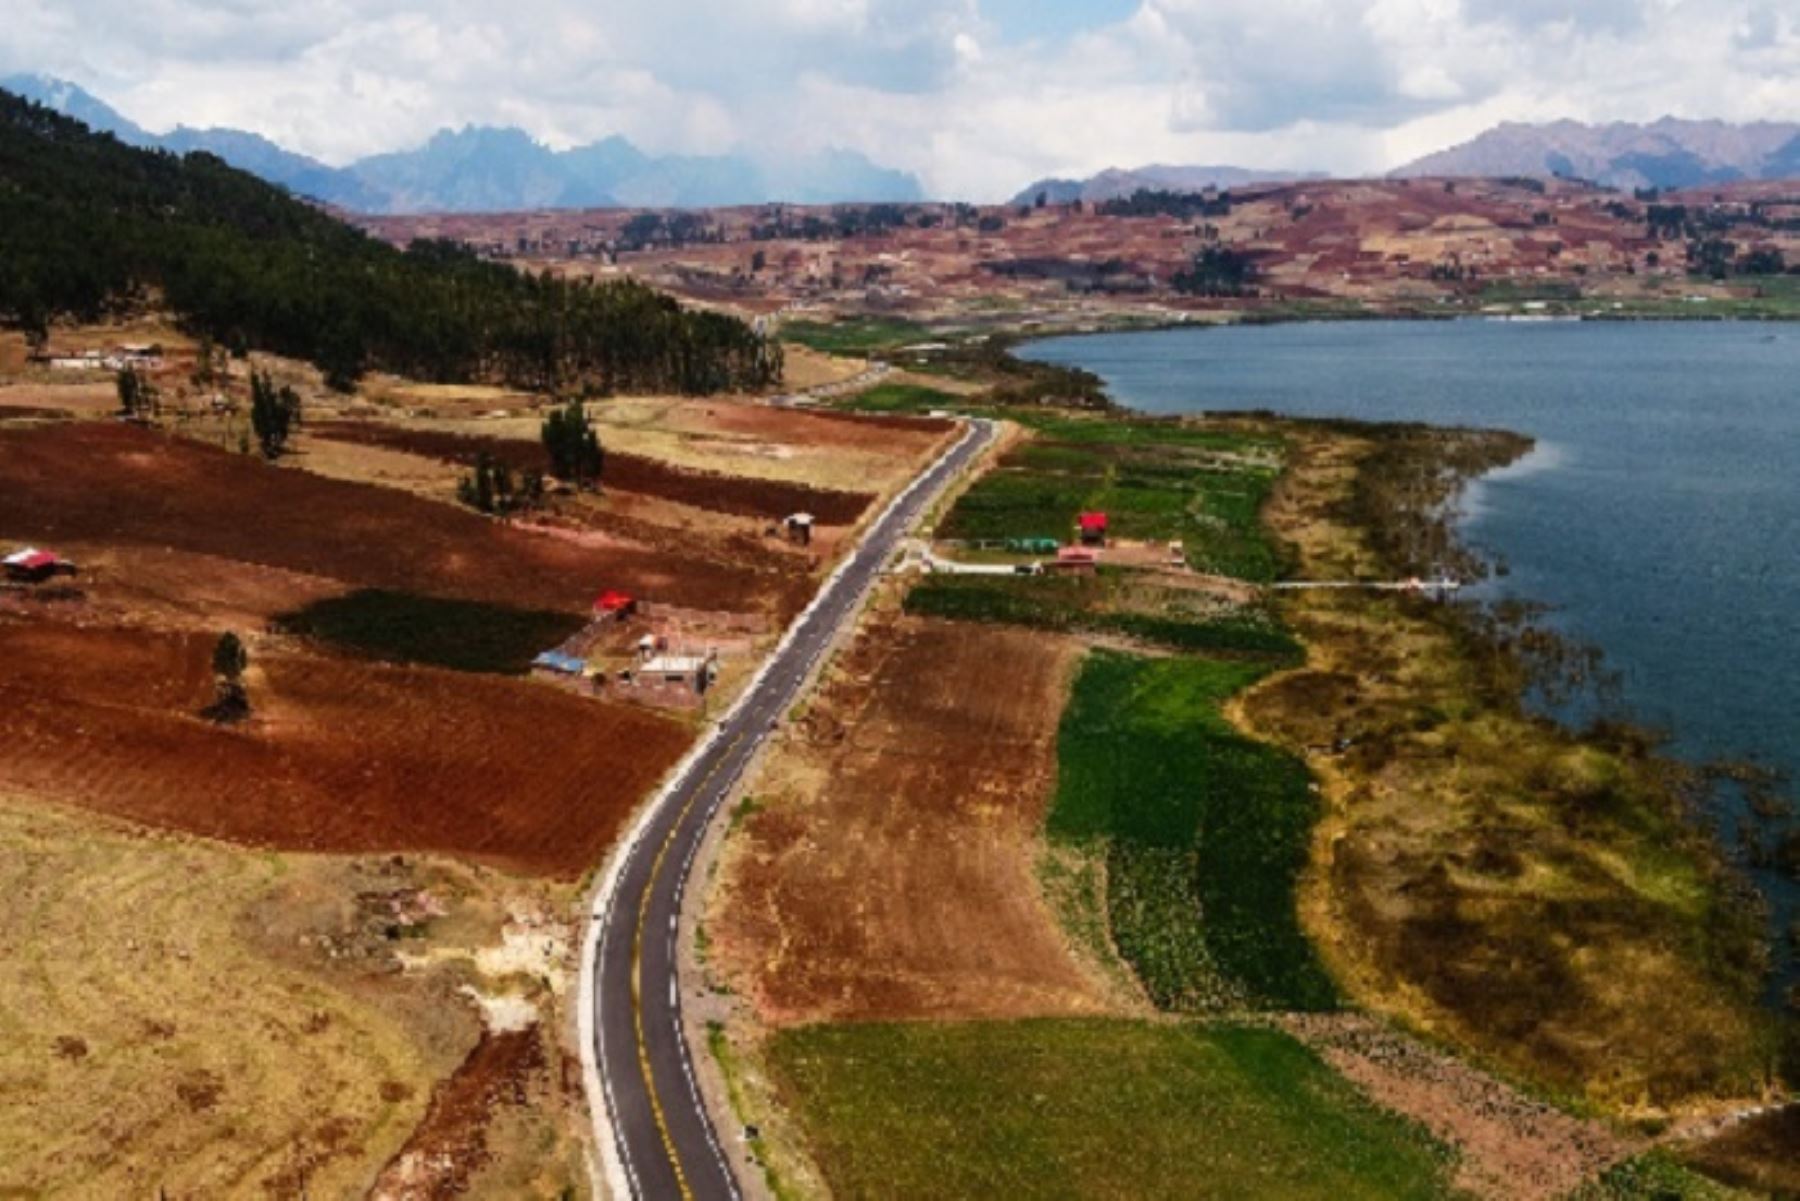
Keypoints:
(339, 755)
(886, 867)
(126, 486)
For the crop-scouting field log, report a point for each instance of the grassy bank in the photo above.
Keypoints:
(1090, 1109)
(1538, 898)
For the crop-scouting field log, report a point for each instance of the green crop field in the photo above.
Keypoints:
(861, 335)
(403, 627)
(1103, 604)
(1156, 482)
(1205, 831)
(900, 398)
(1094, 1109)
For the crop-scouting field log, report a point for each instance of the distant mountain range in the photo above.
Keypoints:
(1115, 182)
(1669, 153)
(487, 169)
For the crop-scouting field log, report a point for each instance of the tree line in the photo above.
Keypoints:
(90, 227)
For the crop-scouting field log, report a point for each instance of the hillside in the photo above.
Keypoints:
(486, 169)
(1114, 182)
(1311, 248)
(89, 225)
(1669, 153)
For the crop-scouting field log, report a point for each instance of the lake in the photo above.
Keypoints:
(1659, 515)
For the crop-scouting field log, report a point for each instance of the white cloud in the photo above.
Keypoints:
(928, 85)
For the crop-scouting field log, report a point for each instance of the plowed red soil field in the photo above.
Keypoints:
(109, 483)
(935, 426)
(890, 870)
(340, 755)
(768, 499)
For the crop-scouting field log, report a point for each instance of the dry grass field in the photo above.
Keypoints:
(887, 866)
(736, 438)
(635, 474)
(177, 1015)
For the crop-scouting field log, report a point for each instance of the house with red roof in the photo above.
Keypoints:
(34, 566)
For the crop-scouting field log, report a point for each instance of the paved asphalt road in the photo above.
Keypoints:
(667, 1143)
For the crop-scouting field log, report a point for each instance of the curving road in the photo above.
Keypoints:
(650, 1105)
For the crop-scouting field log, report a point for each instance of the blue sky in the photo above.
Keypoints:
(976, 97)
(1027, 20)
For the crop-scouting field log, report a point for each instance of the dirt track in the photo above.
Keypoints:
(450, 1146)
(341, 756)
(890, 871)
(106, 483)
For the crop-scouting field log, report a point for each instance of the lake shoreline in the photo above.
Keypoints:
(1377, 666)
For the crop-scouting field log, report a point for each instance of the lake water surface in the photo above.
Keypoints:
(1660, 514)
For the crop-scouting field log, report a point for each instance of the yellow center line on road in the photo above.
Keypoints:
(637, 958)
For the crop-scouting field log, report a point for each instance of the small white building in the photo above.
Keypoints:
(696, 671)
(800, 528)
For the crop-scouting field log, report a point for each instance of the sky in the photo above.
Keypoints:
(976, 97)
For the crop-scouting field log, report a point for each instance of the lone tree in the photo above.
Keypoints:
(138, 397)
(573, 446)
(491, 488)
(231, 702)
(273, 414)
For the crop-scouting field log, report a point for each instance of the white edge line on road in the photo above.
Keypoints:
(620, 1178)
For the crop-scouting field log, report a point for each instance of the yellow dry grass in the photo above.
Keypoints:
(219, 1023)
(805, 368)
(738, 438)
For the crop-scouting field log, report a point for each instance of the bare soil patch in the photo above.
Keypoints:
(171, 589)
(339, 756)
(887, 870)
(1511, 1147)
(505, 1070)
(84, 399)
(128, 486)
